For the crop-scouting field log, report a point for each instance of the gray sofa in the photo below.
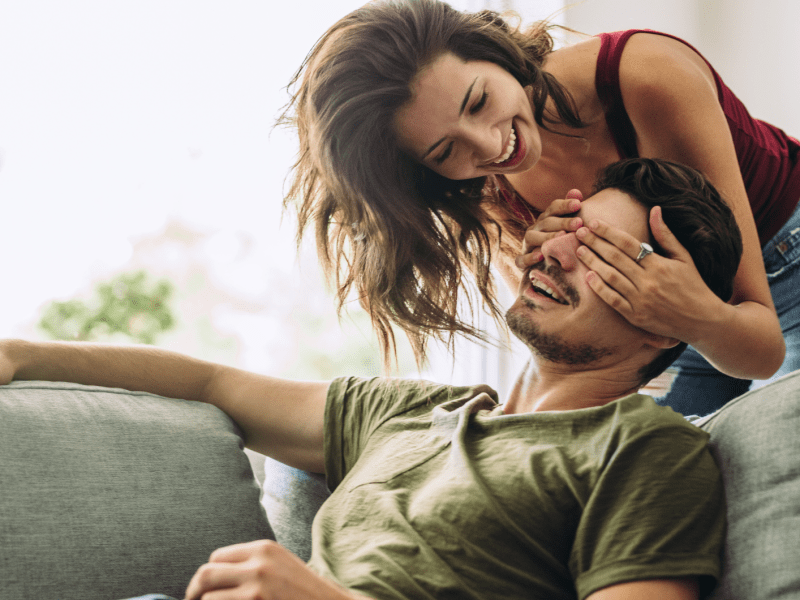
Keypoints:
(108, 494)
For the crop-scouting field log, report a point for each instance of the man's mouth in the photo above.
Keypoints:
(546, 291)
(556, 289)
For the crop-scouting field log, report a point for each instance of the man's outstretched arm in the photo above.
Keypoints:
(278, 417)
(663, 589)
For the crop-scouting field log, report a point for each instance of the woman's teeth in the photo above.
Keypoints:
(512, 142)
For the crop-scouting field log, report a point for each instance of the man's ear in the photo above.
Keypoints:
(661, 342)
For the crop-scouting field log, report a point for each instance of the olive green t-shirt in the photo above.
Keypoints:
(438, 494)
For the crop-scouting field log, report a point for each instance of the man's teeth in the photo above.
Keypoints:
(546, 290)
(512, 142)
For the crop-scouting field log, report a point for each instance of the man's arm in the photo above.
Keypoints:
(663, 589)
(278, 417)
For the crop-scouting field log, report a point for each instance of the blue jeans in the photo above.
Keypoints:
(699, 389)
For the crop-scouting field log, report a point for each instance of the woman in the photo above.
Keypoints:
(430, 140)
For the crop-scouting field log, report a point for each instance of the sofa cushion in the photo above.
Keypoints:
(756, 442)
(112, 494)
(292, 498)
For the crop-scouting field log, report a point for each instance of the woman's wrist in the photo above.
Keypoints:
(707, 325)
(742, 340)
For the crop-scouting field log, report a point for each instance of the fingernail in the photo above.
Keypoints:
(594, 224)
(580, 251)
(582, 233)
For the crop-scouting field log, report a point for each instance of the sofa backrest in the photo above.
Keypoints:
(109, 494)
(755, 440)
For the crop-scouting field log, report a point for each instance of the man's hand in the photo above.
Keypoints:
(262, 570)
(550, 223)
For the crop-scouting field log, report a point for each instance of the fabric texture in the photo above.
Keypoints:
(112, 494)
(755, 441)
(437, 493)
(769, 159)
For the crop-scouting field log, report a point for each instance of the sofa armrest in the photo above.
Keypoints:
(112, 494)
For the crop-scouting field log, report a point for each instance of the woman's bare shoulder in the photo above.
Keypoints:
(657, 63)
(574, 67)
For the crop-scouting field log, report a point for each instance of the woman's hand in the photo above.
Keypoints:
(664, 295)
(550, 224)
(262, 569)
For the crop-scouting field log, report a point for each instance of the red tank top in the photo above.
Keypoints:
(768, 158)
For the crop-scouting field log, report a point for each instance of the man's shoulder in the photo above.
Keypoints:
(638, 415)
(394, 396)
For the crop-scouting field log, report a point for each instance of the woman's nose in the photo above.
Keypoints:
(561, 249)
(487, 142)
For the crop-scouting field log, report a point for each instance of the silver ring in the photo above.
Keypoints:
(644, 250)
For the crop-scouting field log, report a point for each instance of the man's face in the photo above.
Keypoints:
(557, 314)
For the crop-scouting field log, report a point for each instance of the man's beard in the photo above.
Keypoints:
(549, 346)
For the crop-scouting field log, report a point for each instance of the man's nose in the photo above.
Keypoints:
(561, 249)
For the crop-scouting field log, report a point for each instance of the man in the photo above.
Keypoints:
(576, 487)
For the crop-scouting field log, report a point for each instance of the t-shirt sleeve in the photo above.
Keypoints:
(356, 407)
(657, 511)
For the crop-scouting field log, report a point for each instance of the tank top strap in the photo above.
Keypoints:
(522, 211)
(608, 90)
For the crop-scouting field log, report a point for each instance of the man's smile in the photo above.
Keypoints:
(550, 282)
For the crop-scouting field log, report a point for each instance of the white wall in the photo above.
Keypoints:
(754, 46)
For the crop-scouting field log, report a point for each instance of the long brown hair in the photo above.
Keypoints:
(404, 237)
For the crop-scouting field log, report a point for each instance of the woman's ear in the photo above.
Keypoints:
(528, 89)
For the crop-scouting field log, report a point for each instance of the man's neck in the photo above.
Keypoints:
(547, 386)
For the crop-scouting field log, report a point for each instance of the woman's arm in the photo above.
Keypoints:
(278, 417)
(671, 99)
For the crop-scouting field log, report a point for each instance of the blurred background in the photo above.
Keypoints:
(141, 178)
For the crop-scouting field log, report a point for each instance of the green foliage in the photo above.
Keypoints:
(127, 306)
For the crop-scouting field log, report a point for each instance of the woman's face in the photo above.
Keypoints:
(468, 119)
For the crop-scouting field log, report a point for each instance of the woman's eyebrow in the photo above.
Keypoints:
(460, 112)
(466, 97)
(431, 149)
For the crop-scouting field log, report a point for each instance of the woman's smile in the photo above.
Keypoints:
(468, 119)
(514, 154)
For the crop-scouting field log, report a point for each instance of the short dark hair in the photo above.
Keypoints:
(696, 214)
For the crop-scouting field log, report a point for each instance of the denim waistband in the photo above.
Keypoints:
(784, 247)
